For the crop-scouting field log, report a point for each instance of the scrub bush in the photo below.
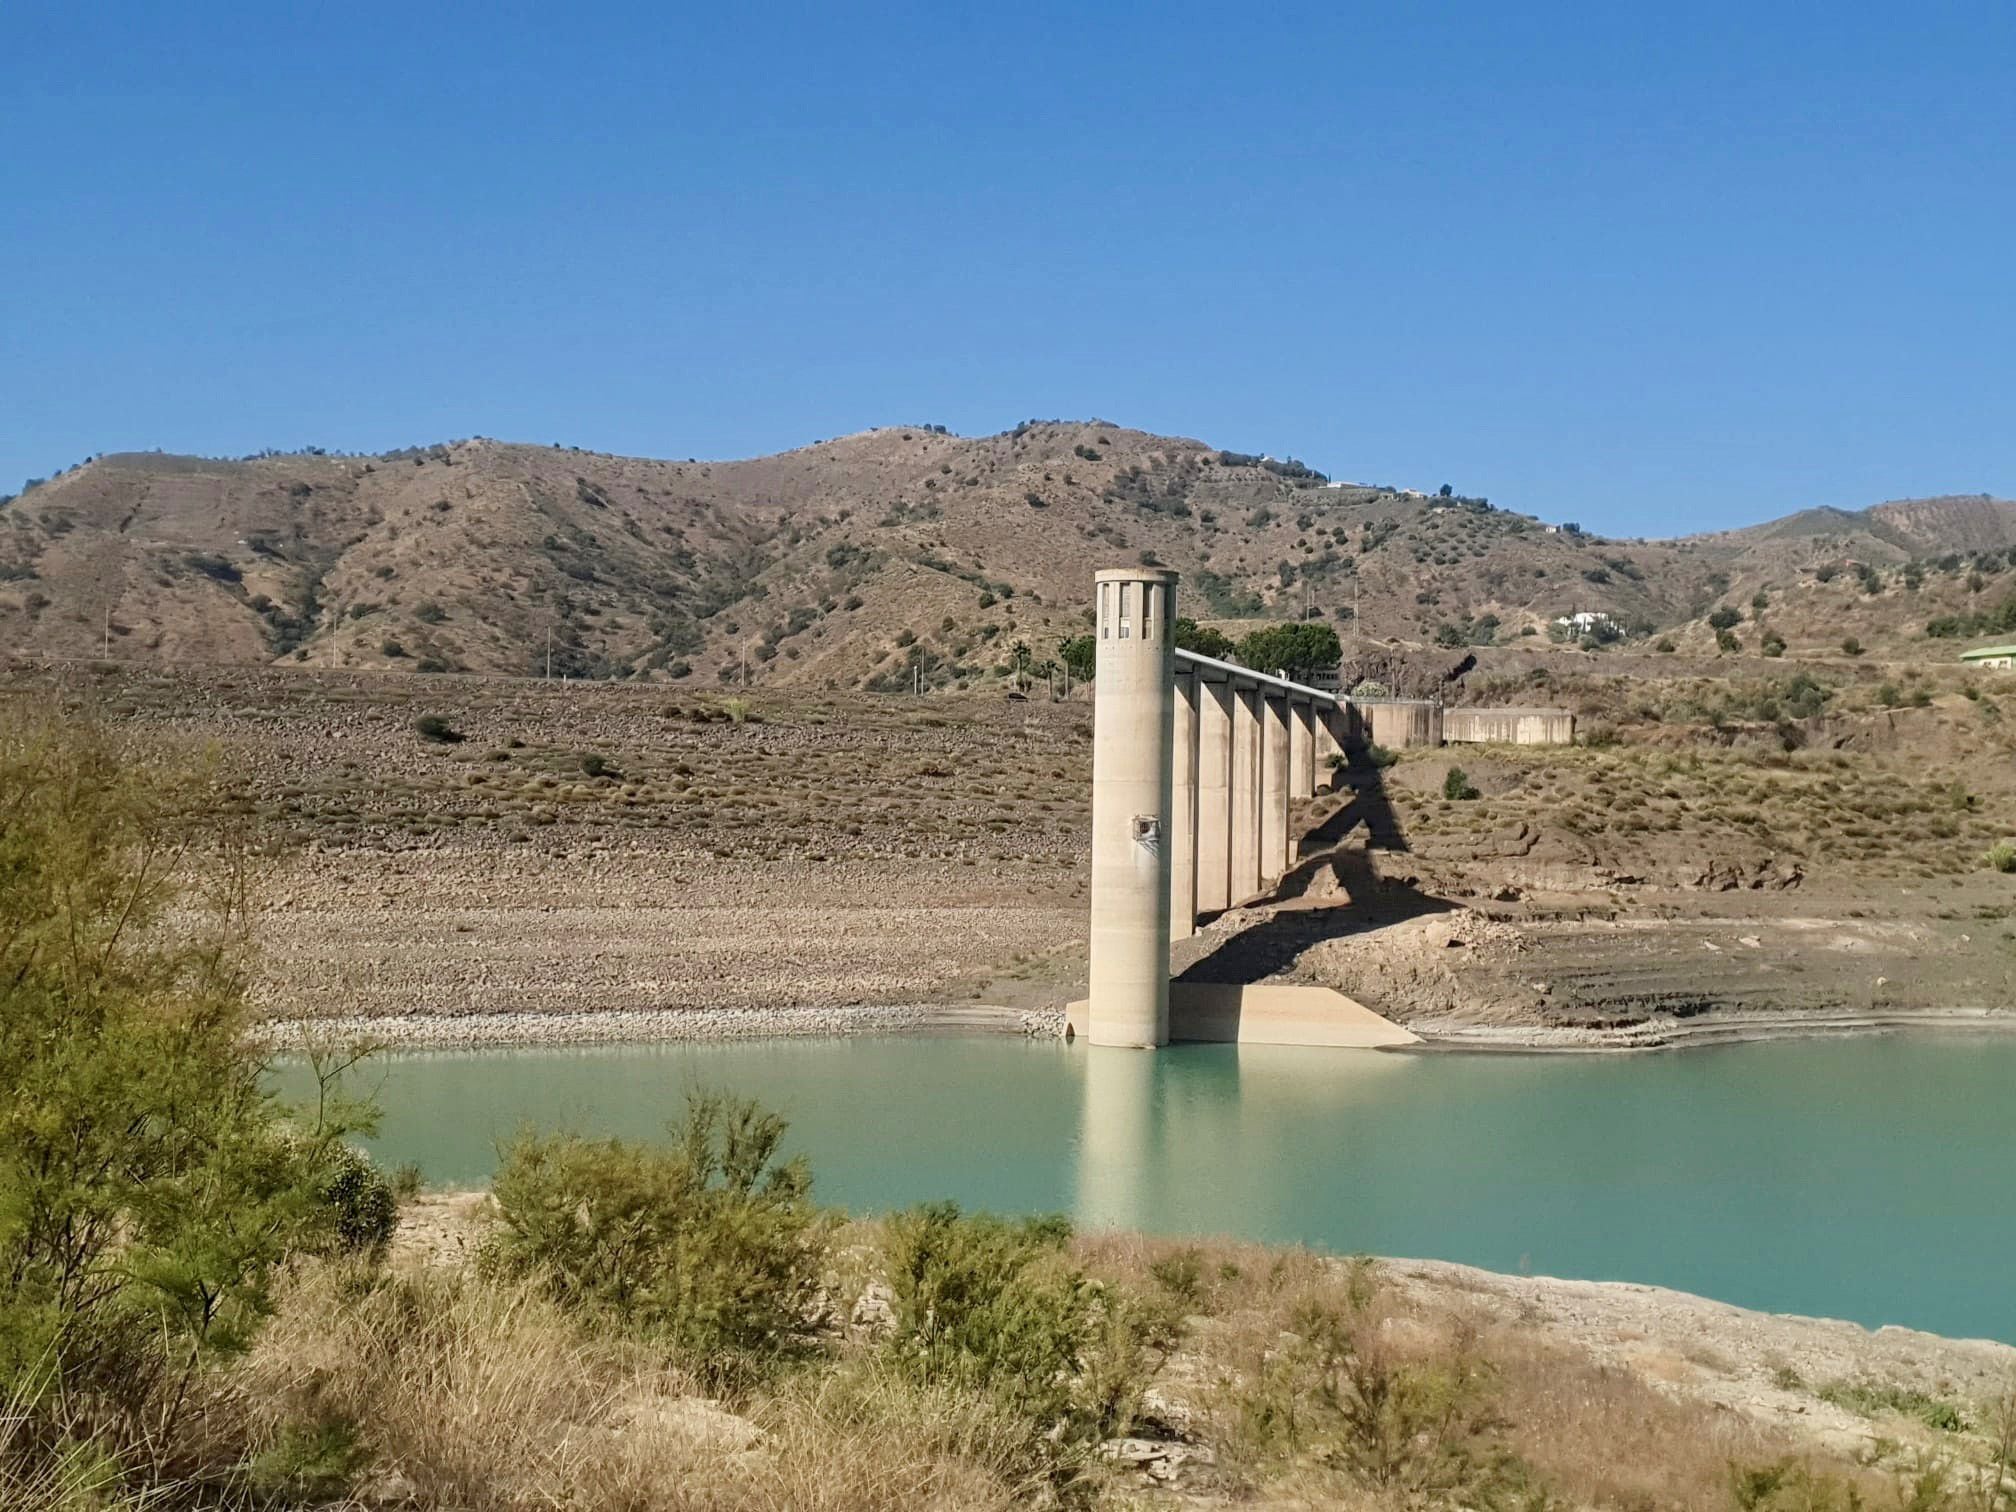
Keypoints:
(362, 1206)
(1335, 1391)
(150, 1188)
(709, 1242)
(997, 1306)
(1456, 784)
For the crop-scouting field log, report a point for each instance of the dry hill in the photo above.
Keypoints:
(848, 563)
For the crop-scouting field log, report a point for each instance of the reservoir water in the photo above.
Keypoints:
(1871, 1179)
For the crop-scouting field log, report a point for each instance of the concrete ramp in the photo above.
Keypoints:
(1268, 1013)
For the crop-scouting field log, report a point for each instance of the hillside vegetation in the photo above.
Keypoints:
(904, 553)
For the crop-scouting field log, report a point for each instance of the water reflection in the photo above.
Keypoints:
(1225, 1139)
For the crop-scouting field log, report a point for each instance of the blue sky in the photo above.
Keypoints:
(1654, 269)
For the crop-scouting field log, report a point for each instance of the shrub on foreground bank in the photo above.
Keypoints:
(709, 1243)
(150, 1189)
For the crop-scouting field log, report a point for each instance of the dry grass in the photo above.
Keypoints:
(1604, 1437)
(1545, 1427)
(488, 1397)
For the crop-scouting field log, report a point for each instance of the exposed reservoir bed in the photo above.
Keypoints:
(1870, 1179)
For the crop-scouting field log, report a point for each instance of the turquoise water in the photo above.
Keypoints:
(1872, 1179)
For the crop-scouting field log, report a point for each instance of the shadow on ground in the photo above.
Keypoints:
(1345, 845)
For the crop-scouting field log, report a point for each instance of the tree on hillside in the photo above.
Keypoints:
(1079, 654)
(1190, 636)
(1298, 650)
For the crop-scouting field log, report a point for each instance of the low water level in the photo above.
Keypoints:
(1872, 1179)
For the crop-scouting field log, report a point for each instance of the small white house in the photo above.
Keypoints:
(1583, 620)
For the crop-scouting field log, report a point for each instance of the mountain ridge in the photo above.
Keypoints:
(860, 561)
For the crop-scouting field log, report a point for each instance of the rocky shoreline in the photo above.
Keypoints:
(588, 1027)
(470, 1031)
(474, 1031)
(1705, 1031)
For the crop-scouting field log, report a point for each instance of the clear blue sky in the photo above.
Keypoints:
(1652, 268)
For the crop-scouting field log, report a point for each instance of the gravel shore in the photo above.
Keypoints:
(606, 1026)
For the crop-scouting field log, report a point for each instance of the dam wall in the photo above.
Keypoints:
(1400, 724)
(1526, 727)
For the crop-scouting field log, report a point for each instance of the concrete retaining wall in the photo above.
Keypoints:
(1400, 723)
(1266, 1014)
(1508, 726)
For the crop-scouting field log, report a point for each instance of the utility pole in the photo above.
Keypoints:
(549, 653)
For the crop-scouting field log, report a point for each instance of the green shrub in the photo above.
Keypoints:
(312, 1463)
(1181, 1274)
(594, 764)
(2001, 857)
(1456, 784)
(995, 1305)
(150, 1188)
(1664, 646)
(362, 1206)
(1871, 1398)
(1336, 1393)
(1851, 647)
(709, 1242)
(437, 730)
(1379, 756)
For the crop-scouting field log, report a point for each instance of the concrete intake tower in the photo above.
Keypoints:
(1133, 740)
